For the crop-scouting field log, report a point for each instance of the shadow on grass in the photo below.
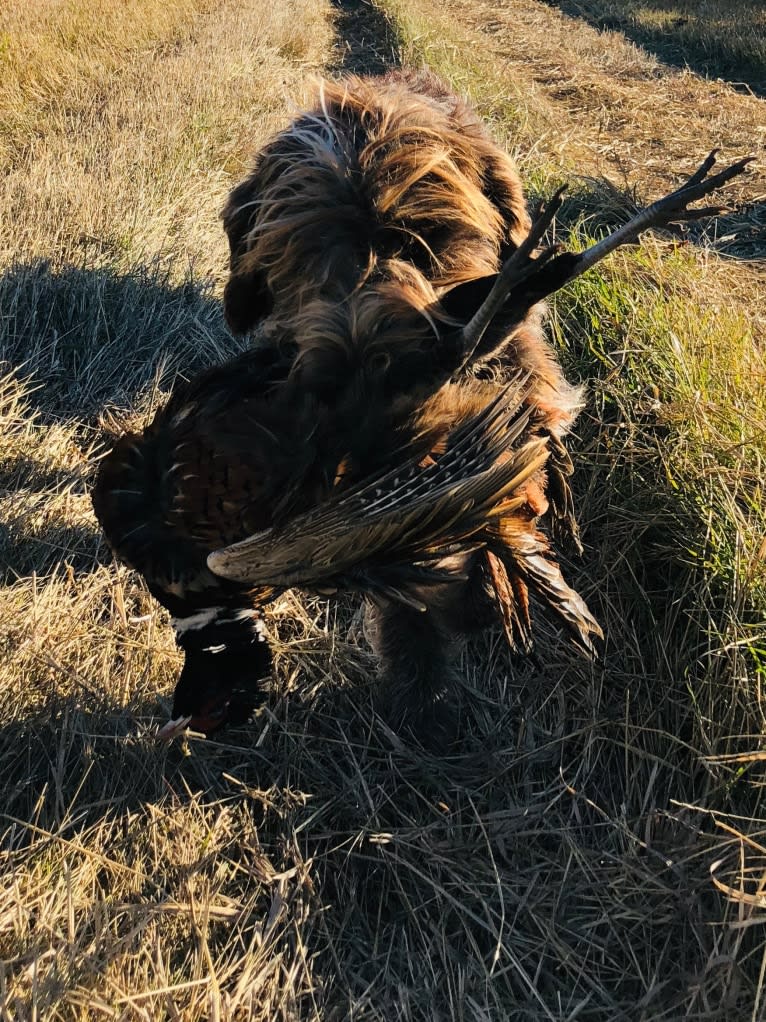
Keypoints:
(367, 41)
(79, 340)
(86, 338)
(19, 471)
(739, 233)
(720, 44)
(27, 549)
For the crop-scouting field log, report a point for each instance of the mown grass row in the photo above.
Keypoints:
(316, 866)
(725, 38)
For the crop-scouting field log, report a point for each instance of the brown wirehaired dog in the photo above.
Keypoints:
(399, 428)
(357, 222)
(365, 232)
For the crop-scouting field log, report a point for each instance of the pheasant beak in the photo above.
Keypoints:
(173, 728)
(211, 718)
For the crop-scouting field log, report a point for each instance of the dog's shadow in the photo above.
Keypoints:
(75, 342)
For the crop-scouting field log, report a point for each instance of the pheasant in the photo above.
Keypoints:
(241, 475)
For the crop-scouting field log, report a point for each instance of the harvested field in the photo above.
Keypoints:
(594, 848)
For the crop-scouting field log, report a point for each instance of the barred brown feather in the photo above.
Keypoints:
(401, 509)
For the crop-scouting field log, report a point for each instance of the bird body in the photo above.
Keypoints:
(241, 454)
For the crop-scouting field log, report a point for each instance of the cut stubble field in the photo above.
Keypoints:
(594, 847)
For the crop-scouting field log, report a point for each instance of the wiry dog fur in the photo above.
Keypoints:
(366, 230)
(358, 221)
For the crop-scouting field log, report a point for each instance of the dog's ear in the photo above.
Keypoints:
(246, 298)
(237, 215)
(246, 301)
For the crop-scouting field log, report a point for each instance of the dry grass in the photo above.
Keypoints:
(595, 846)
(720, 38)
(122, 130)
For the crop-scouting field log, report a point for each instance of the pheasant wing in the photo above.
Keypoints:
(405, 514)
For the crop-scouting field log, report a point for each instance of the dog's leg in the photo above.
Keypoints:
(417, 674)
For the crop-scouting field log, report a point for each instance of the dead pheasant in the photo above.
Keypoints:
(233, 456)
